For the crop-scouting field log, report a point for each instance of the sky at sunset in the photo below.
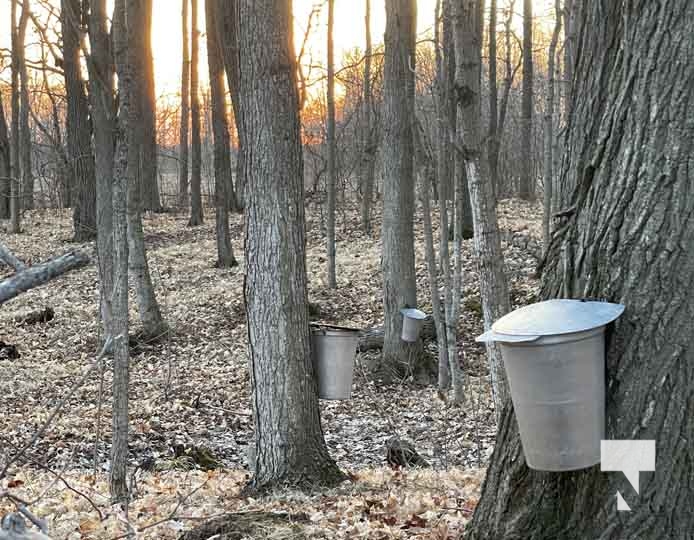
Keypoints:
(349, 32)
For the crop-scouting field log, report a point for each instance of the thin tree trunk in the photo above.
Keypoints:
(24, 104)
(5, 166)
(442, 52)
(101, 93)
(493, 142)
(399, 284)
(185, 110)
(223, 184)
(526, 190)
(332, 170)
(493, 284)
(196, 213)
(15, 187)
(149, 181)
(639, 163)
(228, 30)
(368, 158)
(78, 127)
(290, 448)
(548, 173)
(126, 164)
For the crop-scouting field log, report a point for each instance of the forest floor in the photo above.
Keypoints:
(191, 389)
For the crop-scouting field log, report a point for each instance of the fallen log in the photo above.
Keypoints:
(39, 274)
(372, 338)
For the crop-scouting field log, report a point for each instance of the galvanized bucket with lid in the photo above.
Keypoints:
(334, 349)
(554, 355)
(412, 322)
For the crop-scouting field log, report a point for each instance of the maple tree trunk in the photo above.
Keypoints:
(526, 188)
(332, 150)
(223, 184)
(24, 129)
(82, 192)
(368, 160)
(627, 242)
(103, 111)
(289, 443)
(487, 243)
(185, 110)
(5, 166)
(399, 284)
(196, 214)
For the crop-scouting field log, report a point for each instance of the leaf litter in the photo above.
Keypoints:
(191, 390)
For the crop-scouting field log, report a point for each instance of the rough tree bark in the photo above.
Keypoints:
(82, 184)
(289, 443)
(223, 183)
(227, 30)
(548, 157)
(526, 187)
(185, 110)
(629, 154)
(493, 141)
(332, 151)
(149, 182)
(196, 214)
(103, 111)
(490, 261)
(399, 284)
(126, 165)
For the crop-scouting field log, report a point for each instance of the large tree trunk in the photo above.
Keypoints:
(490, 261)
(629, 154)
(82, 191)
(223, 184)
(332, 151)
(290, 448)
(149, 183)
(126, 166)
(196, 214)
(227, 30)
(399, 284)
(526, 188)
(5, 166)
(185, 110)
(101, 93)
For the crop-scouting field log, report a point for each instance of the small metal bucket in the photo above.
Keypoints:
(554, 354)
(412, 322)
(334, 349)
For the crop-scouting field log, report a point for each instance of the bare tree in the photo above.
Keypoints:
(79, 130)
(126, 168)
(548, 158)
(526, 190)
(332, 150)
(223, 183)
(196, 214)
(493, 140)
(493, 284)
(399, 285)
(15, 187)
(368, 160)
(149, 182)
(185, 110)
(290, 448)
(636, 256)
(24, 104)
(5, 166)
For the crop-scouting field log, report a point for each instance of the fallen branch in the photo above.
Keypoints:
(9, 258)
(39, 274)
(372, 338)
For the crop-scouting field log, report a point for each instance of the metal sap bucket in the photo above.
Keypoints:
(554, 355)
(334, 349)
(412, 322)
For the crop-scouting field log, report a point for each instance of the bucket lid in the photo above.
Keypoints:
(551, 318)
(323, 327)
(413, 313)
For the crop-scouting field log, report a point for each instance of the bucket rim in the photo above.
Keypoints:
(414, 313)
(323, 327)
